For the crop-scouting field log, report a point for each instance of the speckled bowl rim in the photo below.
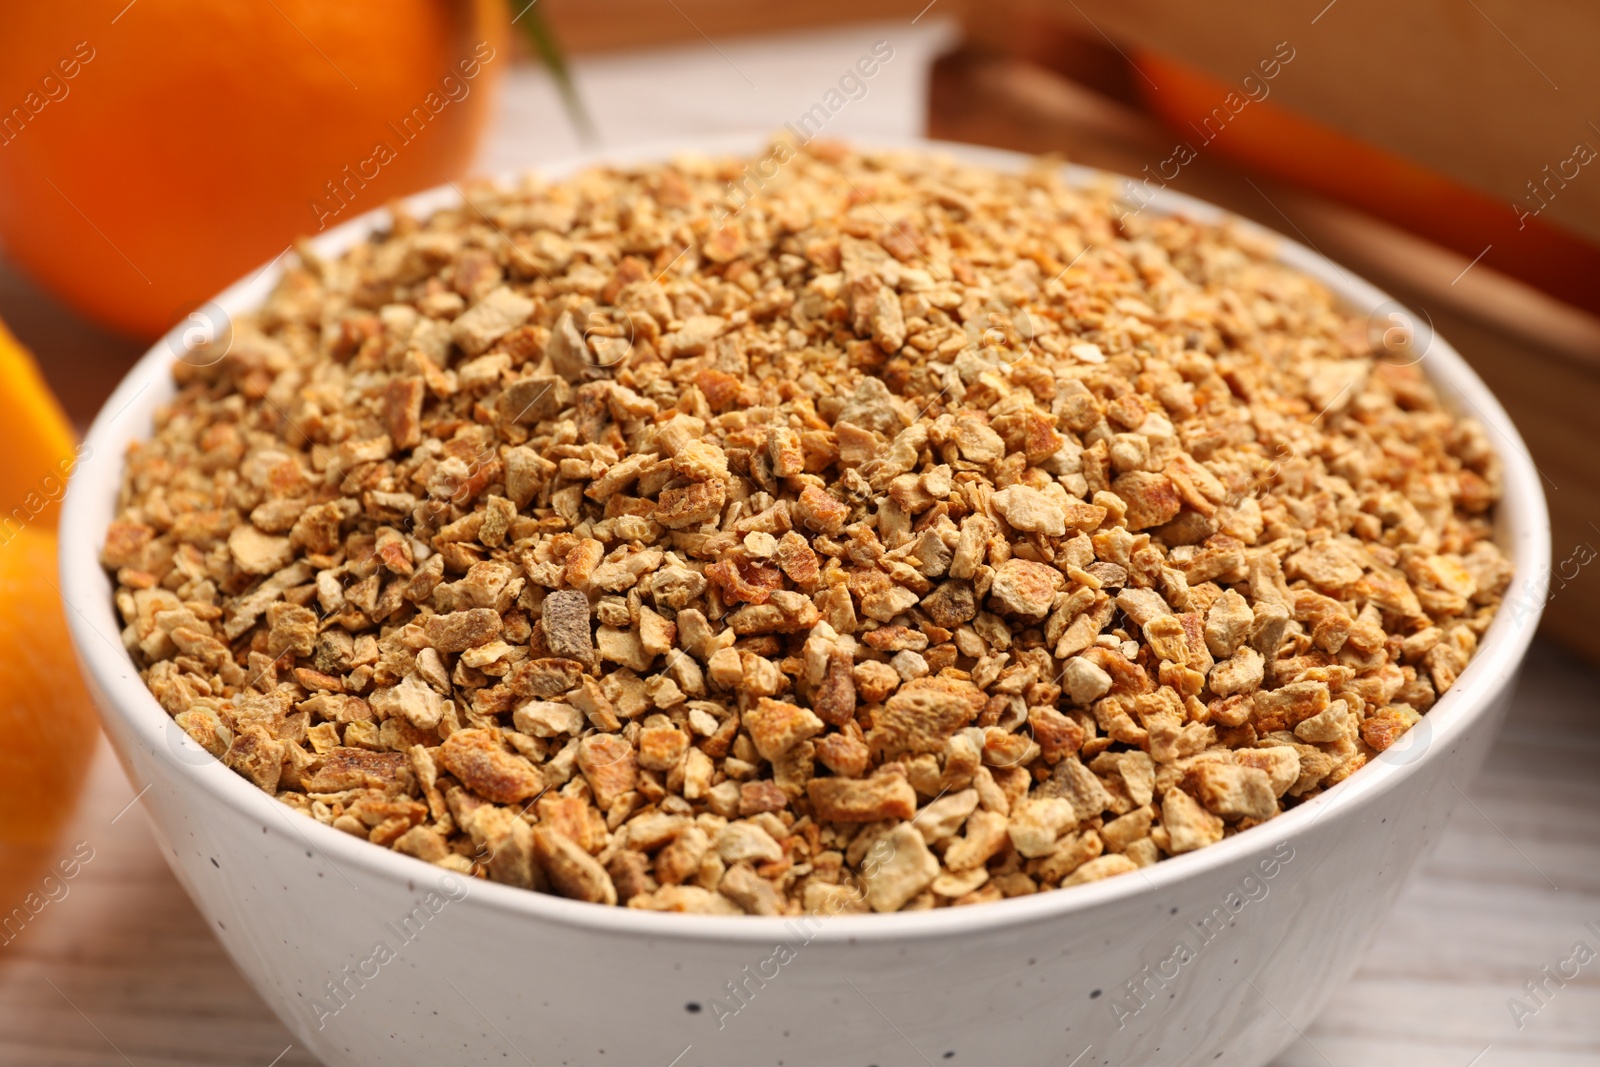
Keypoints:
(1522, 529)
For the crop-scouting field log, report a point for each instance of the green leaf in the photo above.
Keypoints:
(543, 40)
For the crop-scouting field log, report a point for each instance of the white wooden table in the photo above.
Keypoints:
(124, 973)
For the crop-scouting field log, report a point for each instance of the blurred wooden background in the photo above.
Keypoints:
(609, 25)
(1489, 91)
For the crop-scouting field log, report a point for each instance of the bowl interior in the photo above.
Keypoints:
(1522, 530)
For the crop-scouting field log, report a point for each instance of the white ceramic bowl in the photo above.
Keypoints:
(371, 957)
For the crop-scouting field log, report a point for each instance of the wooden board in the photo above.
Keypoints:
(1437, 81)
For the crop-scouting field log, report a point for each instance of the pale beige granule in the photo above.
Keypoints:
(902, 535)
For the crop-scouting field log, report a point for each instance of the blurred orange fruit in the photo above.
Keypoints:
(153, 152)
(47, 722)
(36, 441)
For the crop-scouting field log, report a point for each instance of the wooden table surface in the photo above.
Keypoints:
(122, 971)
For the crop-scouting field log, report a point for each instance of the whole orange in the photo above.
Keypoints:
(154, 151)
(47, 723)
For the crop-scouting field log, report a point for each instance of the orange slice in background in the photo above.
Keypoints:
(48, 728)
